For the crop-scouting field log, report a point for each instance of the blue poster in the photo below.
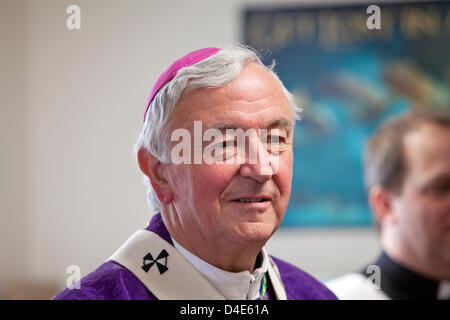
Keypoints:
(350, 76)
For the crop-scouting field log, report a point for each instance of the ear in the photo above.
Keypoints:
(153, 169)
(381, 204)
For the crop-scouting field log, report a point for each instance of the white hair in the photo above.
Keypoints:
(214, 71)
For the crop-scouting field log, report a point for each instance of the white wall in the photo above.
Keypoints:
(71, 108)
(13, 143)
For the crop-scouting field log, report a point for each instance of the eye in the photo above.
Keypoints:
(439, 189)
(275, 144)
(223, 150)
(228, 143)
(275, 139)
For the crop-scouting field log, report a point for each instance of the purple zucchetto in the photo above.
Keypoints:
(186, 61)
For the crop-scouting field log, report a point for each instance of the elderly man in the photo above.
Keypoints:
(407, 171)
(216, 152)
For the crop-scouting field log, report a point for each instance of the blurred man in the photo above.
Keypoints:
(407, 172)
(216, 152)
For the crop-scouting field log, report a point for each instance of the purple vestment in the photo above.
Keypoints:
(111, 281)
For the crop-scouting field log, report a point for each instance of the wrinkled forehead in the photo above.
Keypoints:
(255, 97)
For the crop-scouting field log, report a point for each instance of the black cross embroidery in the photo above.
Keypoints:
(161, 267)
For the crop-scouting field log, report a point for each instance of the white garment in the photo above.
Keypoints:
(444, 290)
(355, 286)
(232, 285)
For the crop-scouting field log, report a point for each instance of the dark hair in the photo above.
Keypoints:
(384, 160)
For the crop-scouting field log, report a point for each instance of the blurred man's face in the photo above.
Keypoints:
(423, 207)
(236, 203)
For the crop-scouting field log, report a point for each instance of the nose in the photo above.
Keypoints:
(260, 165)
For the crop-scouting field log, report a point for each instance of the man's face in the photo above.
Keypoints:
(209, 198)
(423, 207)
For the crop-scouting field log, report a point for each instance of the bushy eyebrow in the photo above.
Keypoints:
(281, 123)
(224, 127)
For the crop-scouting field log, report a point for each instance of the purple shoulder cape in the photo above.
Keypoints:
(111, 281)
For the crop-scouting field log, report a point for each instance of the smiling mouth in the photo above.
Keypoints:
(248, 200)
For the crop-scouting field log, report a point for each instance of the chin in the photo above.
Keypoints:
(255, 232)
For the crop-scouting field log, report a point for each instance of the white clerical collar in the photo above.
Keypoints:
(232, 285)
(443, 290)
